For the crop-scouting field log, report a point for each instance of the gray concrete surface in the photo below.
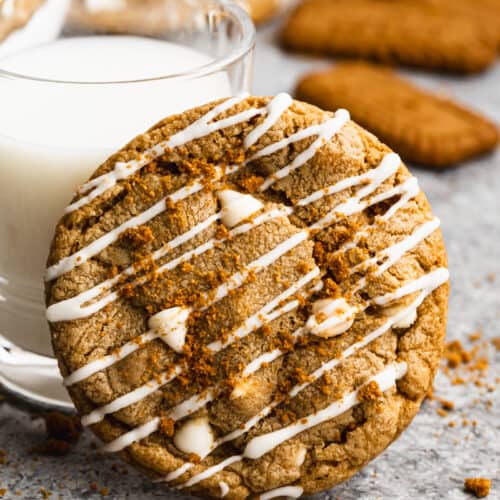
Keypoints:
(431, 459)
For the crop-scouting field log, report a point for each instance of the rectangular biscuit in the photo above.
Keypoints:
(422, 127)
(425, 33)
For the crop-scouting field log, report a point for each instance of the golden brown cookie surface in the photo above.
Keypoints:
(14, 14)
(249, 297)
(412, 33)
(423, 127)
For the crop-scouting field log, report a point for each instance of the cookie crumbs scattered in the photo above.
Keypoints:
(45, 493)
(478, 486)
(446, 404)
(63, 432)
(496, 343)
(370, 392)
(441, 412)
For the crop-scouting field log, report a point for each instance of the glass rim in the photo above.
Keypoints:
(245, 46)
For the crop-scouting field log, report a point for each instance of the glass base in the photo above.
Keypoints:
(32, 378)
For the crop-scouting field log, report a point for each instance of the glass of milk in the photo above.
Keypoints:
(76, 84)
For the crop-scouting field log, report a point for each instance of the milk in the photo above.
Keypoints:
(53, 136)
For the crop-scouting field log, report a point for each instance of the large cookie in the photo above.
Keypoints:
(152, 17)
(428, 33)
(443, 133)
(14, 14)
(249, 299)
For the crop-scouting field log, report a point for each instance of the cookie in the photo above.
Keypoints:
(249, 300)
(140, 17)
(151, 17)
(424, 128)
(264, 10)
(411, 33)
(14, 14)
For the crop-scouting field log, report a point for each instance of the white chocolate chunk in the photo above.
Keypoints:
(407, 321)
(330, 317)
(94, 6)
(224, 489)
(243, 387)
(301, 456)
(237, 206)
(7, 8)
(170, 324)
(195, 436)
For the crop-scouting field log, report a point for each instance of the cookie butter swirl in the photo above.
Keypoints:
(242, 213)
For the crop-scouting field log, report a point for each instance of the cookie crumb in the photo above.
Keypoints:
(496, 343)
(167, 426)
(45, 493)
(63, 432)
(479, 486)
(370, 392)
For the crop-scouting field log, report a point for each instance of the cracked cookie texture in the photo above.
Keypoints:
(249, 300)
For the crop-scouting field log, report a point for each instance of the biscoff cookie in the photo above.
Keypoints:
(424, 128)
(140, 17)
(249, 300)
(152, 17)
(14, 14)
(411, 33)
(264, 10)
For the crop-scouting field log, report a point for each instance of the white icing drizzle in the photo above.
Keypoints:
(131, 397)
(263, 316)
(200, 128)
(285, 491)
(71, 309)
(260, 445)
(101, 364)
(275, 110)
(324, 132)
(170, 325)
(239, 278)
(211, 471)
(78, 258)
(137, 434)
(236, 207)
(224, 488)
(172, 476)
(429, 284)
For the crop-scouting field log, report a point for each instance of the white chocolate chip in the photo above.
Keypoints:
(330, 317)
(243, 387)
(195, 436)
(301, 456)
(407, 321)
(170, 324)
(224, 489)
(237, 206)
(94, 6)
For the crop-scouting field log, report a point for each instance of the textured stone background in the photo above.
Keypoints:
(431, 459)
